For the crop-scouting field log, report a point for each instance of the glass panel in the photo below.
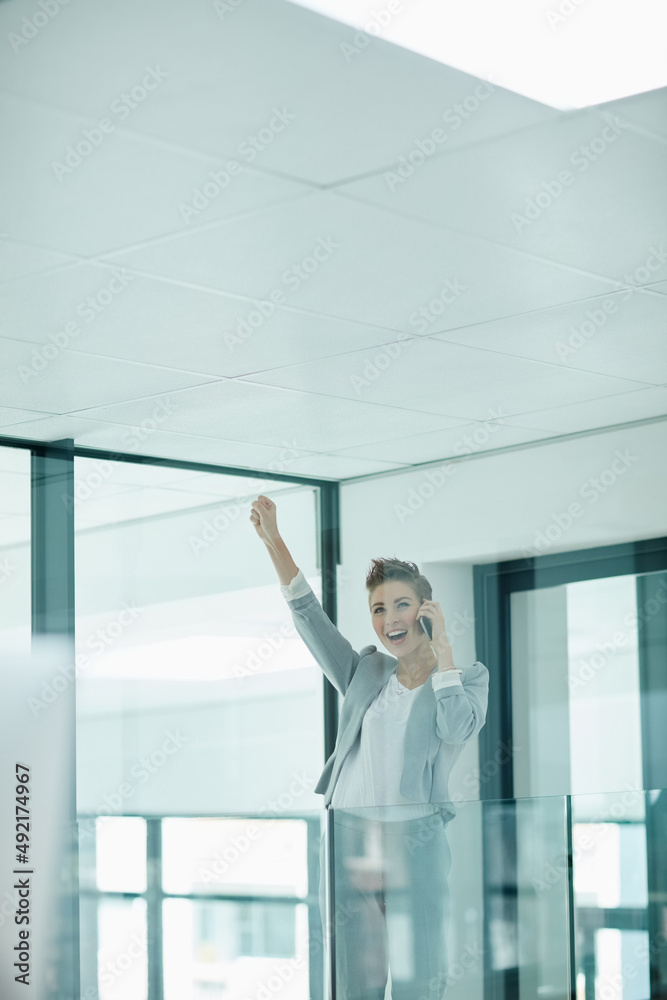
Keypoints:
(187, 655)
(121, 854)
(603, 681)
(88, 912)
(575, 683)
(610, 895)
(122, 952)
(87, 829)
(15, 608)
(256, 857)
(235, 950)
(411, 897)
(196, 698)
(622, 973)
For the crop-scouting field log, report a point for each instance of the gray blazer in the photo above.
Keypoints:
(440, 721)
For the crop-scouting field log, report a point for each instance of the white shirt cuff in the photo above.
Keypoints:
(446, 678)
(297, 587)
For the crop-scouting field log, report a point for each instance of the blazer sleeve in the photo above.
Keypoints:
(331, 650)
(461, 708)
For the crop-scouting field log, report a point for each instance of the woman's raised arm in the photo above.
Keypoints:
(263, 516)
(331, 650)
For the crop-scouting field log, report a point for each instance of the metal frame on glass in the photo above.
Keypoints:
(494, 583)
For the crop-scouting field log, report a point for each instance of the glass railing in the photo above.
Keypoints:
(549, 897)
(508, 899)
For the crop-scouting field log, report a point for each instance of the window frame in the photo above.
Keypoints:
(493, 585)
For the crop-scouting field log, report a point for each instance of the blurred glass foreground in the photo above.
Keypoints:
(543, 896)
(517, 898)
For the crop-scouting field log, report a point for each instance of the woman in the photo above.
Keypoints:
(403, 722)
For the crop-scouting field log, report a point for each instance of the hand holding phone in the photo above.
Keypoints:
(427, 626)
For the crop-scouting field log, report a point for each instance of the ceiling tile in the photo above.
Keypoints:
(111, 312)
(243, 411)
(390, 267)
(590, 335)
(87, 433)
(165, 366)
(456, 442)
(510, 193)
(639, 405)
(223, 74)
(9, 416)
(44, 377)
(337, 467)
(147, 437)
(126, 190)
(460, 382)
(18, 259)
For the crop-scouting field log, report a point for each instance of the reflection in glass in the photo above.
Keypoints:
(122, 952)
(603, 683)
(575, 686)
(235, 950)
(611, 895)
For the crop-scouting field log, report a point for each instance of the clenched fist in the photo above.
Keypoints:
(263, 516)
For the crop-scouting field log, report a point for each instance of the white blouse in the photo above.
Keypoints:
(369, 780)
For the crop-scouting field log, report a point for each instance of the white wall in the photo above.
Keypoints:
(493, 505)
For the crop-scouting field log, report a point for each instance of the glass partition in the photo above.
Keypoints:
(576, 685)
(556, 906)
(587, 683)
(199, 733)
(611, 921)
(408, 907)
(15, 614)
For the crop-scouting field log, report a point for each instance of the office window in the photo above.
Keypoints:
(234, 949)
(255, 856)
(122, 949)
(121, 854)
(252, 931)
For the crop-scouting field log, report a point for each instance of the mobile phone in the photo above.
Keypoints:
(427, 626)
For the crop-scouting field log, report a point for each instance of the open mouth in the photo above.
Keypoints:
(397, 636)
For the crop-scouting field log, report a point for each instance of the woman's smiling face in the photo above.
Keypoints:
(394, 606)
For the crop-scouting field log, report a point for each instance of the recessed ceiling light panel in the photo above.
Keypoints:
(567, 54)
